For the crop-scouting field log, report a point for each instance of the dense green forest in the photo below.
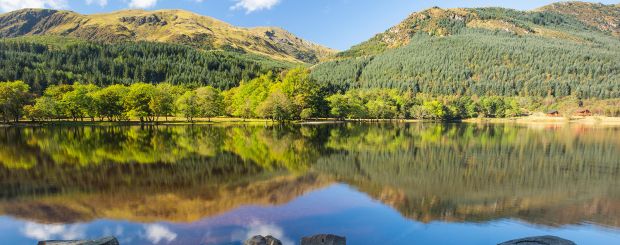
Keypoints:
(284, 97)
(45, 61)
(481, 52)
(483, 63)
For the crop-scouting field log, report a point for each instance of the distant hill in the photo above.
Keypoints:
(558, 50)
(167, 26)
(601, 16)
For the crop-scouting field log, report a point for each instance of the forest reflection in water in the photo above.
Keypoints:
(548, 175)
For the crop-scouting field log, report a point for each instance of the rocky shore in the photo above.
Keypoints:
(321, 239)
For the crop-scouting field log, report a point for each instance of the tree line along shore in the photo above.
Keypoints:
(288, 96)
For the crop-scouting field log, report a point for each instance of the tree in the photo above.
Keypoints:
(493, 106)
(55, 93)
(419, 112)
(109, 101)
(436, 110)
(187, 105)
(277, 107)
(210, 102)
(307, 113)
(13, 97)
(303, 91)
(138, 100)
(80, 101)
(162, 102)
(45, 107)
(31, 113)
(242, 101)
(356, 106)
(381, 109)
(339, 106)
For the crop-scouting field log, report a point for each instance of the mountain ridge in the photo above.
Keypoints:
(488, 51)
(437, 21)
(602, 16)
(168, 26)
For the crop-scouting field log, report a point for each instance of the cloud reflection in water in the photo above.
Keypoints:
(156, 233)
(43, 232)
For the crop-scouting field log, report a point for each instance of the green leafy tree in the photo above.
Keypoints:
(277, 106)
(138, 100)
(13, 97)
(242, 101)
(339, 105)
(303, 91)
(436, 110)
(187, 105)
(109, 102)
(45, 107)
(379, 108)
(162, 102)
(307, 113)
(493, 106)
(356, 107)
(210, 102)
(80, 102)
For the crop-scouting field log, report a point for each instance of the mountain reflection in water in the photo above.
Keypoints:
(221, 184)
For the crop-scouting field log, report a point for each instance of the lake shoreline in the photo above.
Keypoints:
(534, 119)
(592, 120)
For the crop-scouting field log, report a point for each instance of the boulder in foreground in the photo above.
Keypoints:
(539, 240)
(260, 240)
(101, 241)
(324, 239)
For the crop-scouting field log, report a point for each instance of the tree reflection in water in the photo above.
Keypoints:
(449, 172)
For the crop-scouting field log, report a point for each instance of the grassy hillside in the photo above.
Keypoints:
(168, 26)
(603, 17)
(487, 51)
(41, 61)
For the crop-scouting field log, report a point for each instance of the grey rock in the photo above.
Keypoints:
(324, 239)
(260, 240)
(539, 240)
(101, 241)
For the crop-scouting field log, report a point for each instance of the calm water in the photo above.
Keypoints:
(374, 184)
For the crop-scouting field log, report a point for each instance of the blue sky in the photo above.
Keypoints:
(334, 23)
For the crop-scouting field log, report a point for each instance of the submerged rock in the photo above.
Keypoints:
(260, 240)
(101, 241)
(324, 239)
(539, 240)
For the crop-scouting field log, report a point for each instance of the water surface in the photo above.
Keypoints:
(373, 183)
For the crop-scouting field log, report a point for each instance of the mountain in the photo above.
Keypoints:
(168, 26)
(601, 16)
(557, 50)
(542, 22)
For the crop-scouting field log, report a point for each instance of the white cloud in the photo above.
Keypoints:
(254, 5)
(101, 3)
(157, 233)
(10, 5)
(42, 232)
(142, 4)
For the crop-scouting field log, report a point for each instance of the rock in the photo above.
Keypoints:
(539, 240)
(324, 239)
(101, 241)
(260, 240)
